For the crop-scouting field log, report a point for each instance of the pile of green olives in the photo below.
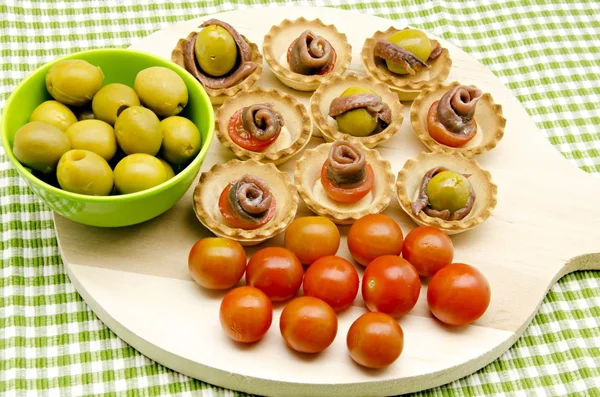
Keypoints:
(97, 139)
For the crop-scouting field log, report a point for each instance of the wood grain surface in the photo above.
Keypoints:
(544, 226)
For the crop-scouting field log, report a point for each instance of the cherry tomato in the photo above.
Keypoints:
(276, 271)
(375, 340)
(372, 236)
(458, 294)
(243, 138)
(217, 263)
(439, 132)
(428, 249)
(233, 221)
(308, 324)
(347, 195)
(311, 238)
(246, 314)
(328, 69)
(332, 279)
(390, 285)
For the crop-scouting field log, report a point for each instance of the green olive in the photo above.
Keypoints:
(448, 190)
(84, 172)
(111, 100)
(357, 122)
(95, 136)
(74, 82)
(138, 172)
(181, 141)
(216, 50)
(138, 130)
(168, 169)
(411, 40)
(39, 146)
(161, 90)
(55, 113)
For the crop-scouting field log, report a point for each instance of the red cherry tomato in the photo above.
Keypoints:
(375, 340)
(328, 69)
(332, 279)
(458, 294)
(428, 249)
(347, 195)
(234, 221)
(311, 238)
(390, 285)
(276, 271)
(243, 138)
(308, 324)
(372, 236)
(217, 263)
(246, 314)
(439, 132)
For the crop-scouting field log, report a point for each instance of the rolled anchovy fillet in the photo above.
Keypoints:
(457, 107)
(262, 121)
(436, 51)
(250, 198)
(245, 65)
(346, 164)
(422, 201)
(396, 54)
(371, 102)
(310, 54)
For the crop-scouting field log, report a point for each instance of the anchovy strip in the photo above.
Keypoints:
(250, 198)
(262, 121)
(371, 102)
(310, 54)
(346, 165)
(457, 107)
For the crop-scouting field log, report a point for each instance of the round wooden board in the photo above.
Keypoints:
(544, 226)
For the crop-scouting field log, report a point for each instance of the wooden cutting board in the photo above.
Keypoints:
(544, 226)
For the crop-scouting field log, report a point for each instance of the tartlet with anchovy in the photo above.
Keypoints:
(359, 109)
(246, 201)
(446, 190)
(344, 181)
(304, 53)
(406, 60)
(457, 118)
(220, 58)
(264, 125)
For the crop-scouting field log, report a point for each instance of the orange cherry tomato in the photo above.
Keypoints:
(375, 340)
(428, 249)
(246, 314)
(390, 285)
(372, 236)
(438, 132)
(311, 238)
(458, 294)
(308, 325)
(243, 138)
(328, 69)
(233, 221)
(347, 195)
(276, 271)
(332, 279)
(217, 263)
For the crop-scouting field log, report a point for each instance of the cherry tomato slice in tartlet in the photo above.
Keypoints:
(243, 138)
(233, 221)
(438, 132)
(321, 72)
(347, 195)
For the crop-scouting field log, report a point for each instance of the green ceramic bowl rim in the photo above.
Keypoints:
(189, 80)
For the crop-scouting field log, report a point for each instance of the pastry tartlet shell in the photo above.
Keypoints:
(407, 86)
(332, 88)
(409, 181)
(314, 158)
(261, 95)
(488, 116)
(218, 96)
(285, 33)
(211, 184)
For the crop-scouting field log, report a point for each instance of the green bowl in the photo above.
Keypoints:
(118, 66)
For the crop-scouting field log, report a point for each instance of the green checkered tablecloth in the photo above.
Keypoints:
(547, 52)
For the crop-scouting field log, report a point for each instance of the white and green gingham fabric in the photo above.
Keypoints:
(546, 51)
